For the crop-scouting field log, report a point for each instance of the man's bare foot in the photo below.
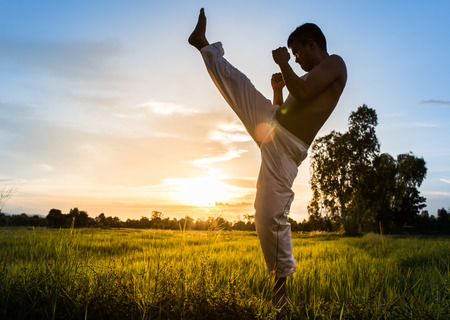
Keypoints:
(198, 36)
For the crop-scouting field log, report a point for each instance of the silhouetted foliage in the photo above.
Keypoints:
(424, 223)
(355, 185)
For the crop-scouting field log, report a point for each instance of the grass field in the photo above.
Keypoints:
(152, 274)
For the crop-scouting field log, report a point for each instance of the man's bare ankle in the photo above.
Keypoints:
(198, 36)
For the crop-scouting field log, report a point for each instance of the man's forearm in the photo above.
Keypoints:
(294, 83)
(277, 97)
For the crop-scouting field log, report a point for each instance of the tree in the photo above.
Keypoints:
(330, 176)
(397, 200)
(355, 185)
(408, 202)
(342, 171)
(56, 218)
(443, 220)
(101, 220)
(156, 220)
(5, 195)
(384, 191)
(80, 219)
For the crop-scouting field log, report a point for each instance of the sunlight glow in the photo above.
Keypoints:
(203, 192)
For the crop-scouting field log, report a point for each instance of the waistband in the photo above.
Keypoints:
(275, 123)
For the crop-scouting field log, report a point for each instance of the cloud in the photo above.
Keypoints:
(67, 59)
(436, 102)
(244, 183)
(231, 154)
(424, 125)
(11, 110)
(445, 180)
(44, 167)
(224, 137)
(415, 124)
(437, 193)
(229, 133)
(168, 109)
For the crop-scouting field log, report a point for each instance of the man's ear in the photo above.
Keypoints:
(310, 44)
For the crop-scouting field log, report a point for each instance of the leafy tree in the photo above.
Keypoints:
(342, 171)
(80, 219)
(408, 203)
(101, 220)
(56, 218)
(384, 191)
(396, 198)
(443, 220)
(355, 185)
(156, 220)
(4, 220)
(186, 223)
(240, 225)
(144, 222)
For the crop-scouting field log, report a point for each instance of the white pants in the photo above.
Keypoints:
(281, 154)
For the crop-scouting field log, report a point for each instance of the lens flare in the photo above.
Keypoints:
(264, 132)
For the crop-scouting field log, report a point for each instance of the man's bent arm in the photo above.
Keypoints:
(317, 80)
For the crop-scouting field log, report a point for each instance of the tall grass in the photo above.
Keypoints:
(133, 274)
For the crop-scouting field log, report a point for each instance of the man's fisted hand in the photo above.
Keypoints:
(277, 81)
(280, 55)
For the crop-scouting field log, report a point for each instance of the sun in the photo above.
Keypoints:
(203, 191)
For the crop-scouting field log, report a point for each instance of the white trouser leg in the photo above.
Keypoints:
(281, 154)
(247, 102)
(280, 159)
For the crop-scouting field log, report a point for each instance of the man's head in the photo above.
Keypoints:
(306, 32)
(308, 45)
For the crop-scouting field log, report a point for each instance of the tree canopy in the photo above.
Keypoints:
(353, 184)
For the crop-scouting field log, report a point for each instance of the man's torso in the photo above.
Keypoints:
(305, 120)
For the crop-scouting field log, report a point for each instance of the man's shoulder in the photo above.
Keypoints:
(337, 63)
(334, 58)
(333, 61)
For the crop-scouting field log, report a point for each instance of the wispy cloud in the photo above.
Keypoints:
(437, 193)
(231, 154)
(87, 59)
(168, 109)
(424, 124)
(43, 167)
(435, 103)
(409, 124)
(445, 180)
(229, 133)
(226, 135)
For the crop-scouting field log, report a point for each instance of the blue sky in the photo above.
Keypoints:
(104, 105)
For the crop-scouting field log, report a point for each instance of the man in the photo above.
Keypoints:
(283, 130)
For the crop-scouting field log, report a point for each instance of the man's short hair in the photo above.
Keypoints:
(305, 32)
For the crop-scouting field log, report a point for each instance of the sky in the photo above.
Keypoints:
(104, 105)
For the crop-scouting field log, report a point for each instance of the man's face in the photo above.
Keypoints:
(302, 55)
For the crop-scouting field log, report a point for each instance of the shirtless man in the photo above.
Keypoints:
(283, 130)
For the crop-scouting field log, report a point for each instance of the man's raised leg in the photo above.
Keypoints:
(247, 102)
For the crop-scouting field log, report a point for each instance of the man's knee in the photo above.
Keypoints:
(269, 220)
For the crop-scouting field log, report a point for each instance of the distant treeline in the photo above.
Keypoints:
(423, 224)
